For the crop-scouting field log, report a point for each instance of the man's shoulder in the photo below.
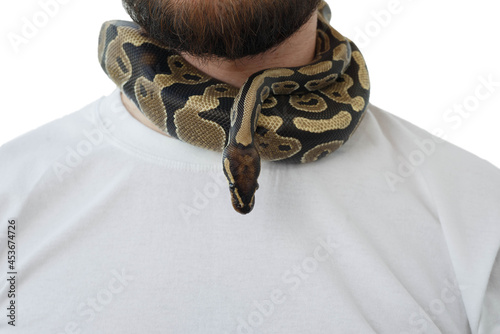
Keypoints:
(419, 149)
(422, 162)
(28, 156)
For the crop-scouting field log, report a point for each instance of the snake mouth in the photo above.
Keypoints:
(243, 210)
(241, 203)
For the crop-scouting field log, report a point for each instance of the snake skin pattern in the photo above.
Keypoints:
(298, 114)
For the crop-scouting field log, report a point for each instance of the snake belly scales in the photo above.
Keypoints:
(298, 114)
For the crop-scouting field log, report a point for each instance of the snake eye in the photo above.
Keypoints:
(232, 186)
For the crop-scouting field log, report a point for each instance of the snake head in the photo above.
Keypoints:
(242, 168)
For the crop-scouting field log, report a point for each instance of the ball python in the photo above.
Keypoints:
(298, 114)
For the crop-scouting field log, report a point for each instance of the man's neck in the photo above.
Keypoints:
(299, 49)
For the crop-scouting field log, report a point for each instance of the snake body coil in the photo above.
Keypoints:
(297, 114)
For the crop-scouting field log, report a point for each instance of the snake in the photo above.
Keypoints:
(283, 114)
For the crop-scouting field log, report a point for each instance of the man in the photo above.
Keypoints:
(118, 228)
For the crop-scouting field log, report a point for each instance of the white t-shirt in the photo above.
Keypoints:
(119, 229)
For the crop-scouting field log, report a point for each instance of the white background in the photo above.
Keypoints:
(425, 58)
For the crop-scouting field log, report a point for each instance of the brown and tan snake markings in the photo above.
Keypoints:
(309, 102)
(196, 128)
(297, 115)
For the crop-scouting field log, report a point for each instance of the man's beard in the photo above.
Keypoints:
(228, 29)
